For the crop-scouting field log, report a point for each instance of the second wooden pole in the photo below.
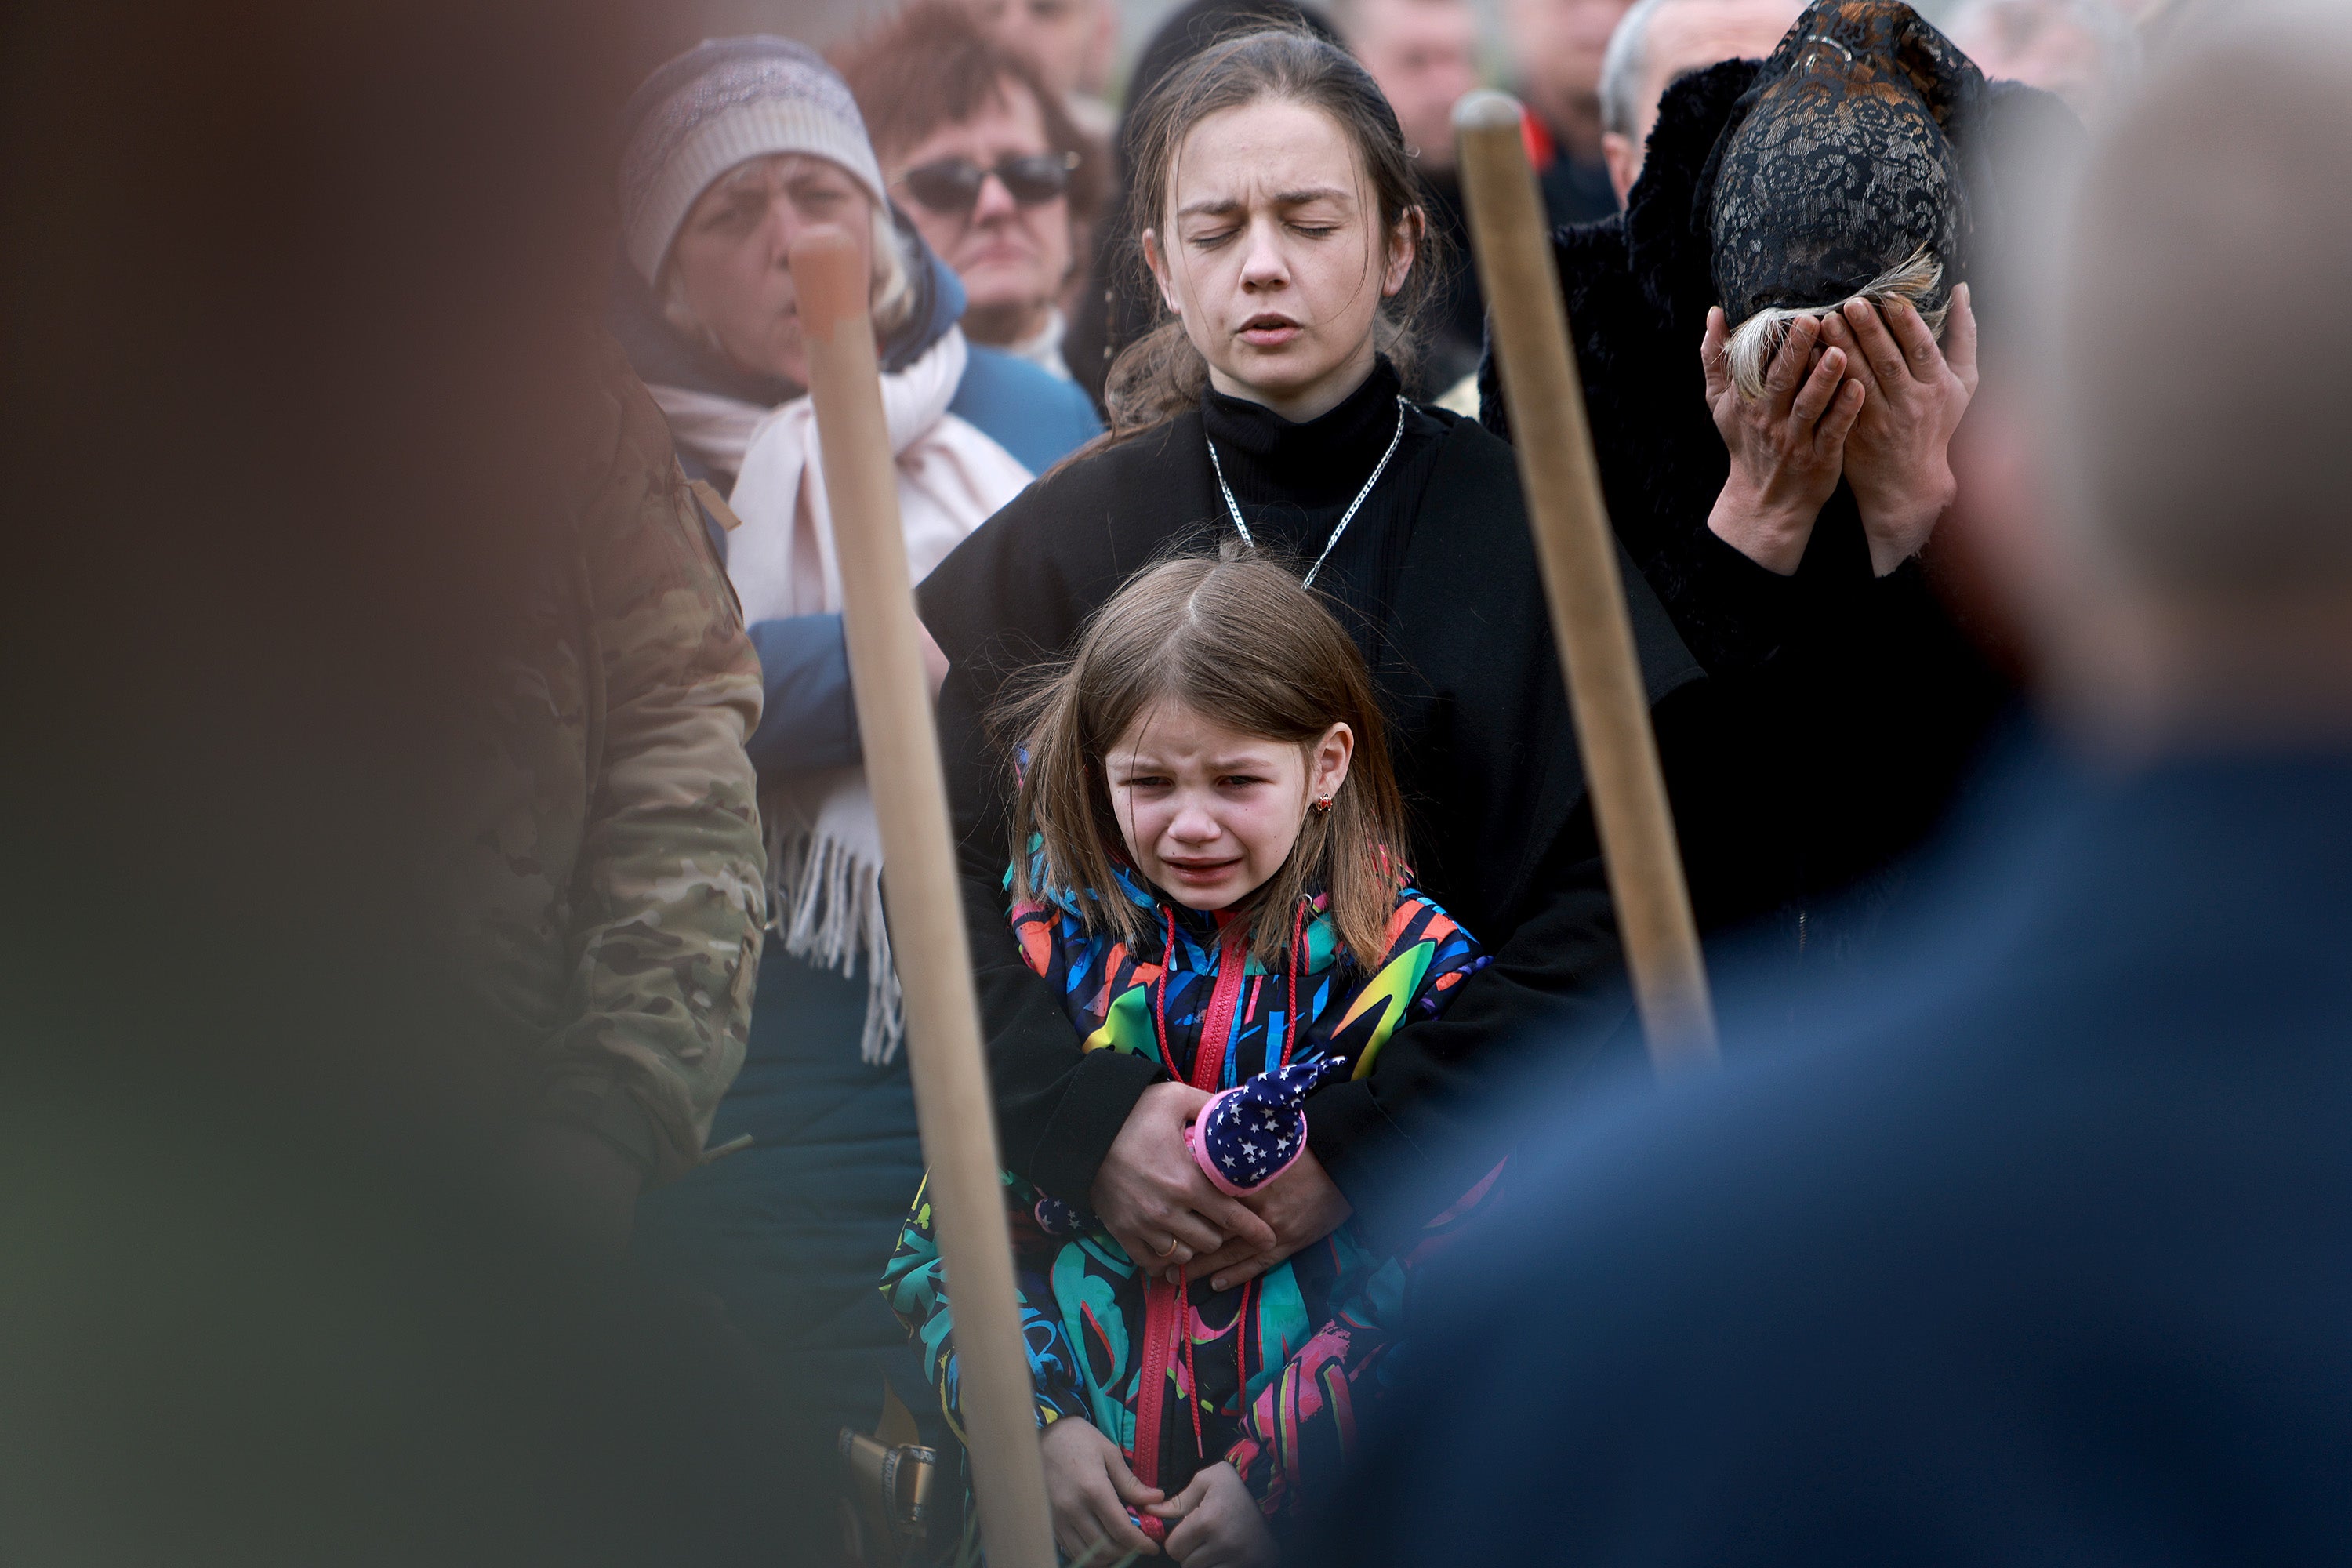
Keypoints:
(952, 1108)
(1511, 238)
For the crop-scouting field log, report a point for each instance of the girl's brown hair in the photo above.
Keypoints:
(1161, 375)
(1240, 641)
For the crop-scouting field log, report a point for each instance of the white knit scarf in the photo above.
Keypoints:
(825, 846)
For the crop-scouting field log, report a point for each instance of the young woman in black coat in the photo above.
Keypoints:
(1286, 239)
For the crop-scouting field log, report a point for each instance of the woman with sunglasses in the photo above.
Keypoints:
(987, 164)
(729, 154)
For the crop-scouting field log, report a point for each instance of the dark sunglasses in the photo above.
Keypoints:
(953, 185)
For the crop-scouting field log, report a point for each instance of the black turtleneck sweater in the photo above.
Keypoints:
(1436, 579)
(1294, 482)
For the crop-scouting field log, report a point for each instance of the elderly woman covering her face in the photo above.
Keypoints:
(1778, 342)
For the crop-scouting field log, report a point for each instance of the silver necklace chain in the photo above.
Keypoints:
(1346, 518)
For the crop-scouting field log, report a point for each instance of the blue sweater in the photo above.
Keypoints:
(1032, 414)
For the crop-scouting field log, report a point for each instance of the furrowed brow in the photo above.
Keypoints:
(1223, 207)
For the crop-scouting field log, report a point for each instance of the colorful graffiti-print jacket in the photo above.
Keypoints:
(1275, 1375)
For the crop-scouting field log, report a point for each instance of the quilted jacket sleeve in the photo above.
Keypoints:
(667, 898)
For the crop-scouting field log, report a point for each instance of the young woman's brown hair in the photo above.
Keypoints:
(1161, 375)
(1239, 641)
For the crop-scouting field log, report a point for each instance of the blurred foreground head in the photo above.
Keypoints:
(2203, 311)
(288, 402)
(2085, 51)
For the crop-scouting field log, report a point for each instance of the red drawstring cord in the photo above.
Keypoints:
(1167, 968)
(1183, 1306)
(1168, 965)
(1192, 1375)
(1290, 1029)
(1240, 1350)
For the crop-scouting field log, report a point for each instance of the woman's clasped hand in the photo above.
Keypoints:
(1151, 1196)
(1151, 1192)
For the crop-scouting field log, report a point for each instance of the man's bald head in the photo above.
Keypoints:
(1662, 39)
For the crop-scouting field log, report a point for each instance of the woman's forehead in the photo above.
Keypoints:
(1008, 120)
(775, 170)
(1273, 147)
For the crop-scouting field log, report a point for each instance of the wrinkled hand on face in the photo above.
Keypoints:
(1787, 447)
(1915, 392)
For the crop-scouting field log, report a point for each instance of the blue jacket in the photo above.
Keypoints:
(2042, 1254)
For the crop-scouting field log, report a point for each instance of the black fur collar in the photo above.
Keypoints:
(1666, 213)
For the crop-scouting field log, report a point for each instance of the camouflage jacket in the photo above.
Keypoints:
(614, 875)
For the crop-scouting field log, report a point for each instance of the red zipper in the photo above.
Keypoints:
(1164, 1304)
(1209, 1057)
(1163, 1307)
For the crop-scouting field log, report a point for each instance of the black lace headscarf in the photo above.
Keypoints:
(1844, 170)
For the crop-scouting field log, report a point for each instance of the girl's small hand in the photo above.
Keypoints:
(1220, 1525)
(1090, 1490)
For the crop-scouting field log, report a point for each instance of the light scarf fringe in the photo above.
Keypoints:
(826, 897)
(824, 845)
(1750, 353)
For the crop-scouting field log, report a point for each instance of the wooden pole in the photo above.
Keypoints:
(1511, 239)
(902, 768)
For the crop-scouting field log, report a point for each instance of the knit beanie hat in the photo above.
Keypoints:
(721, 102)
(1255, 1130)
(1840, 170)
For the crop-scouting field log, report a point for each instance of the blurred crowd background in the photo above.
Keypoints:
(291, 373)
(1115, 42)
